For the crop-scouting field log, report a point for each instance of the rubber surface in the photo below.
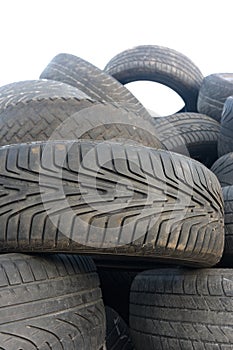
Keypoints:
(39, 110)
(223, 169)
(192, 134)
(228, 220)
(225, 141)
(50, 302)
(214, 90)
(94, 82)
(117, 335)
(162, 65)
(109, 198)
(182, 309)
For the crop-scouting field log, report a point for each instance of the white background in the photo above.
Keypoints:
(33, 32)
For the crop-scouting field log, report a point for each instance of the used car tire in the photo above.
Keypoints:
(50, 302)
(182, 309)
(214, 90)
(109, 198)
(39, 110)
(92, 81)
(225, 142)
(192, 134)
(223, 169)
(159, 64)
(227, 259)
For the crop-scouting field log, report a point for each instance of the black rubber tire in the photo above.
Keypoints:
(214, 90)
(117, 334)
(94, 82)
(227, 258)
(191, 134)
(109, 198)
(39, 110)
(115, 285)
(223, 169)
(50, 302)
(178, 309)
(162, 65)
(225, 141)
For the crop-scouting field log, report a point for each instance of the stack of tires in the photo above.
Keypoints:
(115, 227)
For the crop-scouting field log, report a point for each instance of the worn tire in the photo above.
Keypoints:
(214, 90)
(92, 81)
(191, 134)
(223, 169)
(162, 65)
(117, 334)
(50, 302)
(39, 110)
(225, 141)
(109, 198)
(182, 309)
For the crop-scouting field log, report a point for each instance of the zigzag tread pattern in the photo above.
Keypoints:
(116, 198)
(37, 90)
(60, 119)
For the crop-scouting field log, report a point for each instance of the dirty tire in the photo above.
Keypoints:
(92, 81)
(50, 302)
(223, 169)
(109, 198)
(159, 64)
(117, 334)
(225, 141)
(115, 285)
(214, 90)
(191, 134)
(39, 110)
(182, 309)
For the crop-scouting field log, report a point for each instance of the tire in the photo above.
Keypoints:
(182, 309)
(115, 285)
(223, 169)
(225, 142)
(159, 64)
(97, 84)
(39, 110)
(191, 134)
(227, 258)
(109, 198)
(117, 335)
(50, 302)
(214, 90)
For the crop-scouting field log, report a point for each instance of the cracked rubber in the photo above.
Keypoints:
(117, 334)
(192, 134)
(109, 198)
(182, 309)
(159, 64)
(93, 81)
(214, 90)
(39, 110)
(50, 302)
